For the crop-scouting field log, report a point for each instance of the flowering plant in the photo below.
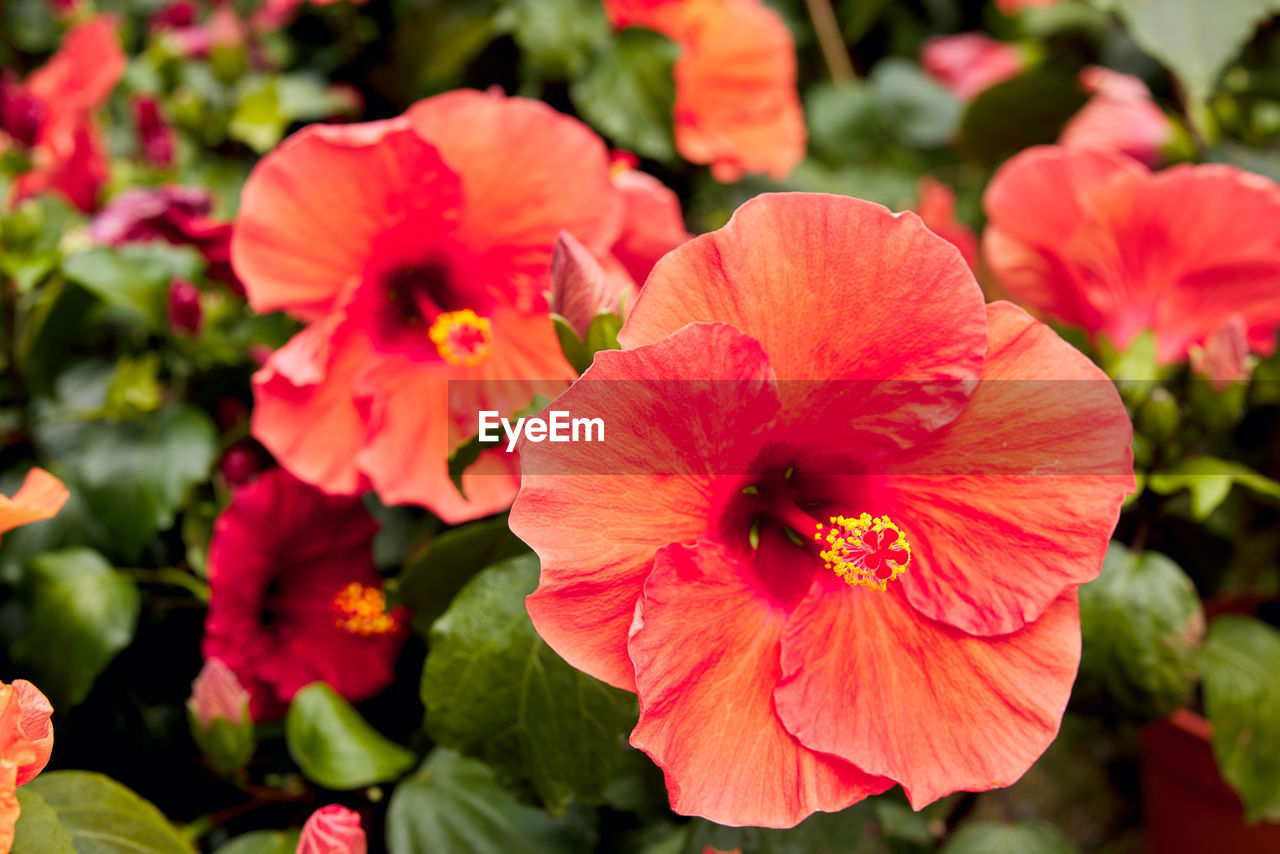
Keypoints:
(646, 426)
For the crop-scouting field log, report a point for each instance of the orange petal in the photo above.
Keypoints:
(41, 496)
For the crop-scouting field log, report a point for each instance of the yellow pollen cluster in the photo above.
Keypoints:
(462, 337)
(362, 610)
(864, 551)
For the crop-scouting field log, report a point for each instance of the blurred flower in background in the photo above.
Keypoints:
(26, 742)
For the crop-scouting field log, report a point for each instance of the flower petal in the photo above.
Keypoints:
(40, 497)
(81, 75)
(1041, 464)
(652, 225)
(332, 200)
(304, 409)
(706, 652)
(597, 512)
(516, 157)
(838, 290)
(870, 680)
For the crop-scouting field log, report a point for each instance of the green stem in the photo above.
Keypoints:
(172, 577)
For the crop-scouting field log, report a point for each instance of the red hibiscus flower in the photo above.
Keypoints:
(736, 107)
(295, 597)
(50, 116)
(938, 210)
(836, 560)
(419, 249)
(1120, 117)
(177, 215)
(970, 62)
(26, 742)
(1096, 240)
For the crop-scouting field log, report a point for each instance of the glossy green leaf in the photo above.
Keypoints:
(994, 837)
(134, 279)
(103, 817)
(1241, 664)
(921, 111)
(1209, 480)
(39, 831)
(1196, 39)
(493, 688)
(335, 747)
(82, 613)
(431, 581)
(628, 93)
(557, 37)
(1030, 109)
(1141, 621)
(454, 805)
(263, 842)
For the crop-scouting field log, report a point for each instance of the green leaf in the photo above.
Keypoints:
(994, 837)
(134, 279)
(493, 688)
(850, 831)
(574, 348)
(628, 93)
(335, 747)
(1209, 480)
(1241, 663)
(135, 477)
(1194, 38)
(454, 805)
(103, 817)
(82, 613)
(602, 334)
(1141, 621)
(38, 830)
(557, 37)
(258, 121)
(429, 583)
(922, 111)
(263, 842)
(1028, 110)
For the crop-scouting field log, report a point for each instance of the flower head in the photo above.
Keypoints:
(26, 742)
(295, 597)
(1096, 240)
(333, 830)
(856, 506)
(419, 250)
(50, 115)
(736, 106)
(970, 62)
(1120, 116)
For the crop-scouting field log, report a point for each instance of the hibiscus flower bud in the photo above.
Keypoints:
(218, 712)
(239, 465)
(1224, 357)
(185, 314)
(580, 287)
(333, 830)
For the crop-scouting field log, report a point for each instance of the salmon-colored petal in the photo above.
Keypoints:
(881, 310)
(330, 202)
(652, 224)
(737, 107)
(597, 512)
(10, 809)
(516, 157)
(707, 656)
(35, 711)
(41, 496)
(870, 680)
(1043, 242)
(304, 404)
(87, 66)
(1120, 116)
(1016, 499)
(938, 210)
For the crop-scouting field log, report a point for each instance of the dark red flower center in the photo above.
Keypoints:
(781, 526)
(424, 310)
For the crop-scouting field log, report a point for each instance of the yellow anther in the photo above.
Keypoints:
(865, 551)
(362, 610)
(462, 337)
